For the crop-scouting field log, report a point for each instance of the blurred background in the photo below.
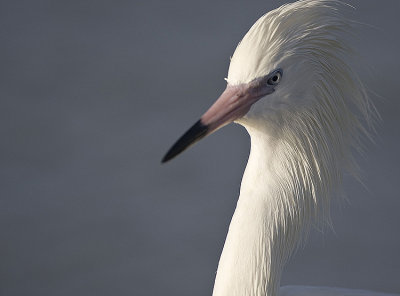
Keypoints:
(93, 93)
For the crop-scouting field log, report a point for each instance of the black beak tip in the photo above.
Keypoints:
(167, 157)
(194, 134)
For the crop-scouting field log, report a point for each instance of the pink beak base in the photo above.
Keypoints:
(233, 103)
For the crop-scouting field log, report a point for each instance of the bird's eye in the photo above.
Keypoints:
(275, 78)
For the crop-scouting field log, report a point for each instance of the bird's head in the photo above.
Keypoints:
(292, 64)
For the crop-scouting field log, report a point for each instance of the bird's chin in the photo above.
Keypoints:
(242, 121)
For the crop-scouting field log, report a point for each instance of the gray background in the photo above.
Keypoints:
(92, 93)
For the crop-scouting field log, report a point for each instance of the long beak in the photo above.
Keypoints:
(234, 103)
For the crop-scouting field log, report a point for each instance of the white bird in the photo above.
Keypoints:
(291, 84)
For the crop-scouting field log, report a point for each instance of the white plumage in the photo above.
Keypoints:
(291, 84)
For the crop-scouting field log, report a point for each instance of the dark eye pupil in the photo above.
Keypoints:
(275, 77)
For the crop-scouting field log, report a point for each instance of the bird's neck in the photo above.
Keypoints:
(262, 233)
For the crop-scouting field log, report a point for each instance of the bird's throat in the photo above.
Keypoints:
(257, 245)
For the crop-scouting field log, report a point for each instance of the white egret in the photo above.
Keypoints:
(292, 86)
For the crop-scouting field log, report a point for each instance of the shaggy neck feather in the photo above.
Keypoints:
(262, 233)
